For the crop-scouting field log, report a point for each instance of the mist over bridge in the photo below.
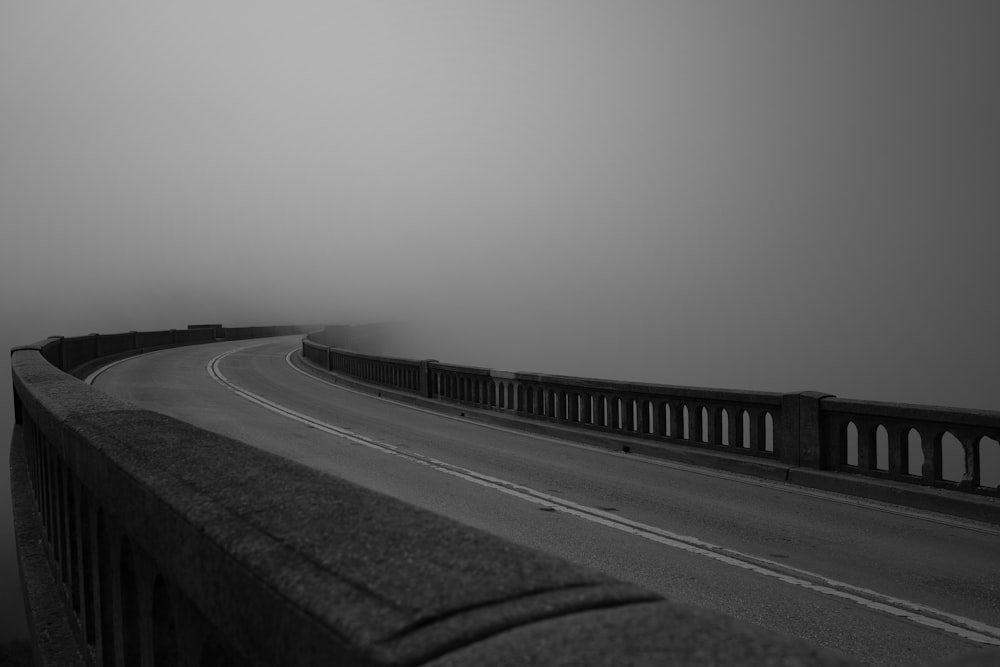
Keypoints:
(115, 490)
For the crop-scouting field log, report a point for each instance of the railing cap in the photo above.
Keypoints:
(910, 412)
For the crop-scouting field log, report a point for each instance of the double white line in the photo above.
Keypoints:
(965, 628)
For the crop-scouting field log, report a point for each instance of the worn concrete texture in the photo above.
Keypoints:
(656, 633)
(54, 640)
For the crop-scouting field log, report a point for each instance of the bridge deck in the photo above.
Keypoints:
(843, 573)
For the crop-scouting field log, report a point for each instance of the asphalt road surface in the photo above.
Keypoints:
(882, 584)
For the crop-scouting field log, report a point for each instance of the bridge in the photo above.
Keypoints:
(256, 495)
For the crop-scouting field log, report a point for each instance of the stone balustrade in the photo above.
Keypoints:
(913, 443)
(144, 540)
(906, 443)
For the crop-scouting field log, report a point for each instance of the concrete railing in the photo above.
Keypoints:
(144, 540)
(903, 443)
(911, 443)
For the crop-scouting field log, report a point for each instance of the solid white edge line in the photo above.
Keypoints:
(93, 376)
(960, 626)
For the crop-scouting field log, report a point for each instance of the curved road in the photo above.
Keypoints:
(884, 585)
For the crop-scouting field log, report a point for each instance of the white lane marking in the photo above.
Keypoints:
(954, 624)
(93, 376)
(90, 379)
(787, 487)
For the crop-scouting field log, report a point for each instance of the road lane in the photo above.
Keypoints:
(948, 567)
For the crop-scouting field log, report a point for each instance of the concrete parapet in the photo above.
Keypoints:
(808, 429)
(166, 544)
(173, 544)
(653, 634)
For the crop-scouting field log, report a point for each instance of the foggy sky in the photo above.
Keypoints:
(763, 195)
(771, 195)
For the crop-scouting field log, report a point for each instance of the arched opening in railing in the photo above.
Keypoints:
(881, 448)
(914, 453)
(663, 419)
(850, 438)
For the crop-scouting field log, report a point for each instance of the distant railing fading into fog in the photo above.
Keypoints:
(900, 442)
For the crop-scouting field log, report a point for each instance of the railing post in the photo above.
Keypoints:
(425, 378)
(800, 442)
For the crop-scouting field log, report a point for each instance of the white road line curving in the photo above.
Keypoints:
(960, 626)
(93, 376)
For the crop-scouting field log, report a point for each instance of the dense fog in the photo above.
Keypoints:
(767, 195)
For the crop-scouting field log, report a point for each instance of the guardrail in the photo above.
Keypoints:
(145, 540)
(907, 443)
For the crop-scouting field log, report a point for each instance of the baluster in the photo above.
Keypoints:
(58, 543)
(899, 448)
(587, 409)
(676, 421)
(695, 424)
(930, 438)
(866, 445)
(970, 445)
(735, 426)
(833, 442)
(758, 422)
(72, 541)
(714, 433)
(642, 425)
(600, 403)
(627, 406)
(660, 418)
(615, 412)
